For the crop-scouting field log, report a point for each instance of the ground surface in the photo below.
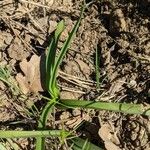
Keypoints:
(119, 29)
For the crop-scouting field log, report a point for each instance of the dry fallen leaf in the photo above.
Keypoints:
(31, 80)
(105, 132)
(111, 146)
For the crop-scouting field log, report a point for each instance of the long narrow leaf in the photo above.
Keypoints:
(2, 147)
(117, 107)
(64, 50)
(12, 144)
(81, 144)
(51, 55)
(40, 141)
(4, 76)
(29, 134)
(47, 109)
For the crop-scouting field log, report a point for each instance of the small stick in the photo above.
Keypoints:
(36, 4)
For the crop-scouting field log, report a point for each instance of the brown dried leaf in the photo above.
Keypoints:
(22, 83)
(105, 132)
(31, 80)
(111, 146)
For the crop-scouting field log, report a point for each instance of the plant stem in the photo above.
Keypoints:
(97, 61)
(40, 142)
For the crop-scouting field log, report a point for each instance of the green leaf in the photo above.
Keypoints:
(59, 29)
(13, 145)
(52, 64)
(51, 56)
(81, 144)
(2, 147)
(40, 142)
(63, 51)
(30, 134)
(116, 107)
(4, 75)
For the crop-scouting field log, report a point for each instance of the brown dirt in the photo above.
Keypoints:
(121, 32)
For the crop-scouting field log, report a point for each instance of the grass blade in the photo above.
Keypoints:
(30, 134)
(4, 76)
(81, 144)
(51, 55)
(64, 49)
(2, 147)
(12, 144)
(47, 109)
(40, 142)
(51, 73)
(116, 107)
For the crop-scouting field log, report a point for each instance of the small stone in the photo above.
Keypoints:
(65, 115)
(53, 25)
(133, 83)
(76, 112)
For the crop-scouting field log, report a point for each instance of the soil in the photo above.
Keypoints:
(119, 29)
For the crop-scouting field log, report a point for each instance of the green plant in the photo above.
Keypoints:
(6, 77)
(52, 65)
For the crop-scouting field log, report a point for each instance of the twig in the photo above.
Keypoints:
(88, 82)
(36, 4)
(19, 24)
(71, 90)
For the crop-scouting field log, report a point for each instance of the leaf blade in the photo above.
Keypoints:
(64, 50)
(51, 55)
